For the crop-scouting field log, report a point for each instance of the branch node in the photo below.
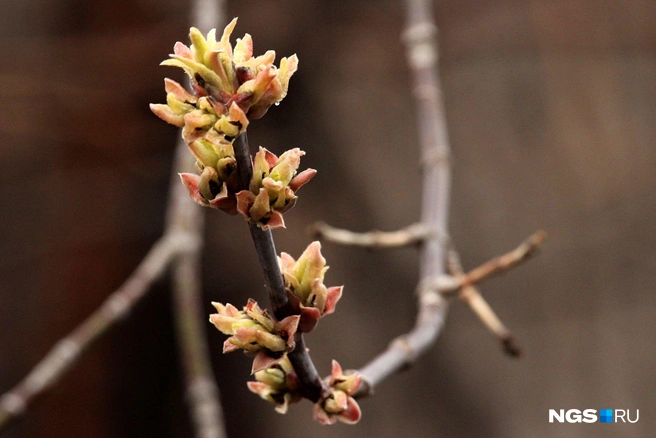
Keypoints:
(410, 354)
(430, 299)
(419, 32)
(446, 285)
(433, 157)
(420, 40)
(118, 305)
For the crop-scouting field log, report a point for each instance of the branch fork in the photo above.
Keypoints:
(457, 281)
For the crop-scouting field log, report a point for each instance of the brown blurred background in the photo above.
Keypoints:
(551, 108)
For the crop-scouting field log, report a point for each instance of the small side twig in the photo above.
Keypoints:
(462, 284)
(507, 261)
(411, 235)
(312, 385)
(449, 285)
(482, 309)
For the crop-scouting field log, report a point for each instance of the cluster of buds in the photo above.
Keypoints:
(200, 115)
(221, 77)
(339, 404)
(273, 187)
(218, 180)
(277, 384)
(254, 331)
(305, 288)
(229, 88)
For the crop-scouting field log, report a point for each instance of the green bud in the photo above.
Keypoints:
(204, 152)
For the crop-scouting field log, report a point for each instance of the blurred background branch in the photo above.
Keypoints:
(181, 246)
(420, 37)
(69, 349)
(411, 235)
(202, 393)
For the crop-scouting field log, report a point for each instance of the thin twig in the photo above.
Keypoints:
(202, 393)
(451, 285)
(507, 261)
(471, 295)
(420, 38)
(69, 349)
(411, 235)
(482, 309)
(312, 385)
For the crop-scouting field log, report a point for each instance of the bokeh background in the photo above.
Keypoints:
(551, 107)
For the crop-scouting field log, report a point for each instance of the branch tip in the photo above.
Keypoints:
(510, 348)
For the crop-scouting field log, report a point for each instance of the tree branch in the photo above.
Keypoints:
(312, 385)
(411, 235)
(202, 393)
(470, 294)
(420, 38)
(69, 349)
(507, 261)
(451, 285)
(182, 238)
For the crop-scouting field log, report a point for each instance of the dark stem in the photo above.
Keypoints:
(312, 385)
(244, 161)
(266, 253)
(263, 240)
